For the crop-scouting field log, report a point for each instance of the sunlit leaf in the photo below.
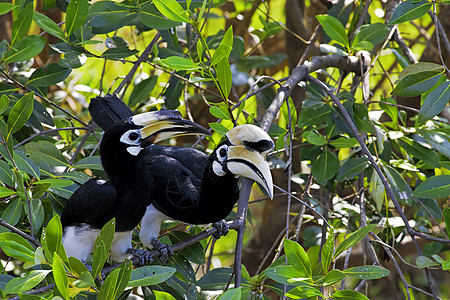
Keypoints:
(408, 11)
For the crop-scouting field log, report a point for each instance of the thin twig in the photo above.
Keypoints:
(20, 232)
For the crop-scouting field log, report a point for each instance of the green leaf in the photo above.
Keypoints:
(5, 192)
(119, 52)
(193, 253)
(303, 292)
(223, 51)
(76, 14)
(179, 63)
(51, 241)
(343, 142)
(37, 214)
(285, 274)
(408, 11)
(224, 77)
(4, 103)
(367, 272)
(12, 213)
(349, 295)
(219, 128)
(425, 262)
(85, 280)
(150, 275)
(353, 238)
(434, 103)
(108, 290)
(332, 277)
(6, 8)
(231, 294)
(314, 138)
(22, 24)
(172, 10)
(376, 190)
(23, 284)
(325, 166)
(297, 257)
(415, 149)
(142, 90)
(20, 113)
(434, 187)
(328, 251)
(400, 188)
(92, 162)
(351, 168)
(26, 48)
(417, 79)
(220, 112)
(446, 217)
(373, 33)
(49, 26)
(151, 17)
(334, 29)
(102, 245)
(48, 75)
(60, 276)
(16, 246)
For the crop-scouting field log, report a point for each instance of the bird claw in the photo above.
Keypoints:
(164, 250)
(143, 256)
(222, 228)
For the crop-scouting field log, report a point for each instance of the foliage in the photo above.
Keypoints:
(397, 167)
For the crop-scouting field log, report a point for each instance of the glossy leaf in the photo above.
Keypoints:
(328, 251)
(76, 14)
(102, 245)
(332, 277)
(4, 104)
(224, 77)
(220, 112)
(60, 276)
(376, 190)
(23, 284)
(20, 113)
(314, 115)
(434, 103)
(150, 275)
(215, 279)
(85, 280)
(434, 187)
(49, 26)
(179, 63)
(151, 17)
(334, 29)
(408, 11)
(52, 239)
(219, 128)
(231, 294)
(22, 24)
(28, 47)
(374, 33)
(353, 238)
(172, 10)
(400, 188)
(142, 91)
(16, 246)
(286, 274)
(223, 51)
(314, 138)
(367, 272)
(349, 295)
(297, 257)
(193, 253)
(425, 262)
(325, 166)
(417, 79)
(6, 8)
(303, 292)
(351, 168)
(342, 142)
(48, 75)
(423, 153)
(5, 192)
(12, 213)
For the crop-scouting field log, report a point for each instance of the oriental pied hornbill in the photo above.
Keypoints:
(127, 192)
(189, 186)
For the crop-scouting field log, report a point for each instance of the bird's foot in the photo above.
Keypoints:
(143, 256)
(222, 228)
(164, 249)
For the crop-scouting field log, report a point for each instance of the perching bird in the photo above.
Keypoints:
(190, 187)
(127, 192)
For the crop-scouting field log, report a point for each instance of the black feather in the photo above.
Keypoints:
(108, 110)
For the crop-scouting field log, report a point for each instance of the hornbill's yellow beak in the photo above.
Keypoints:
(164, 124)
(246, 155)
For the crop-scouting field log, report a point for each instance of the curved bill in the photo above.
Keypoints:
(244, 162)
(166, 129)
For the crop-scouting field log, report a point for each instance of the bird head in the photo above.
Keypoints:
(127, 138)
(243, 154)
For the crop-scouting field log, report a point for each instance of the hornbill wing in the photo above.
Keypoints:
(176, 174)
(90, 204)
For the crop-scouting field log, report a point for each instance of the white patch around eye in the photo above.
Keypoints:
(218, 170)
(125, 138)
(134, 150)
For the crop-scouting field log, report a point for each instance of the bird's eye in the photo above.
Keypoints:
(222, 153)
(133, 136)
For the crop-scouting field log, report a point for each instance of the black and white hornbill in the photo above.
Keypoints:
(190, 187)
(127, 192)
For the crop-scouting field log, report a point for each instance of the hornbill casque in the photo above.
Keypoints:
(127, 192)
(190, 187)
